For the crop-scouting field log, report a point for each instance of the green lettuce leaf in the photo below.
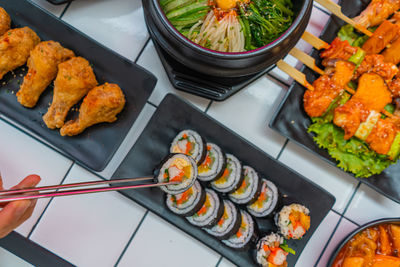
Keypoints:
(353, 155)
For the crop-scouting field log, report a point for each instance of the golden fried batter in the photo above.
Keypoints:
(102, 104)
(74, 79)
(5, 21)
(15, 46)
(42, 63)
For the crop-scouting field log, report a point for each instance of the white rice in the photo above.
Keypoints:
(179, 146)
(186, 183)
(234, 177)
(228, 224)
(284, 223)
(248, 194)
(269, 204)
(189, 204)
(211, 213)
(216, 167)
(247, 233)
(262, 255)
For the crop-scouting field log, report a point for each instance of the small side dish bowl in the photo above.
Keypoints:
(343, 243)
(222, 64)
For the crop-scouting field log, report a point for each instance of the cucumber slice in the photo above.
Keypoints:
(366, 127)
(188, 20)
(189, 9)
(395, 148)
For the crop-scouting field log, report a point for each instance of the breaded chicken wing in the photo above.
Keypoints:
(102, 104)
(74, 79)
(5, 21)
(15, 46)
(42, 63)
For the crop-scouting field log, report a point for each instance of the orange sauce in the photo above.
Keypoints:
(377, 246)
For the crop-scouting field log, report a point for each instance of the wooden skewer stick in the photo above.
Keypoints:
(337, 10)
(314, 41)
(310, 62)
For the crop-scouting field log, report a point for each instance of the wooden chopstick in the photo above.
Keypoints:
(9, 198)
(337, 10)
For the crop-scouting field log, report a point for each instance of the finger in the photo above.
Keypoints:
(29, 181)
(10, 216)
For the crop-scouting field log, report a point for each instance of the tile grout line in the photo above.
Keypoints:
(219, 261)
(141, 50)
(131, 238)
(277, 78)
(283, 147)
(208, 106)
(48, 204)
(347, 218)
(322, 10)
(65, 10)
(337, 225)
(151, 104)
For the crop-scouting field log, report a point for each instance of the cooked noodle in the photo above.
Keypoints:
(224, 35)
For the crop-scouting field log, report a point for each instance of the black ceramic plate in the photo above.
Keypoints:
(174, 115)
(59, 2)
(94, 147)
(358, 230)
(291, 120)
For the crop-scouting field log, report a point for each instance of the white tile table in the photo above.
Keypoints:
(110, 230)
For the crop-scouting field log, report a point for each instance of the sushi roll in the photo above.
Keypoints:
(210, 213)
(231, 178)
(213, 165)
(229, 223)
(188, 202)
(271, 250)
(180, 168)
(246, 234)
(293, 221)
(266, 201)
(190, 143)
(249, 189)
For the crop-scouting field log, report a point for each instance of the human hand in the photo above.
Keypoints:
(14, 213)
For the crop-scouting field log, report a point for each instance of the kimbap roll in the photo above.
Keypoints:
(271, 251)
(213, 165)
(242, 239)
(293, 221)
(250, 188)
(231, 178)
(177, 168)
(210, 213)
(229, 223)
(188, 202)
(266, 201)
(190, 143)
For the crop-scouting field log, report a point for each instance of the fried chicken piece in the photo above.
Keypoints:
(42, 63)
(74, 79)
(394, 87)
(382, 135)
(15, 46)
(376, 12)
(383, 35)
(327, 88)
(376, 64)
(338, 49)
(349, 117)
(5, 21)
(102, 104)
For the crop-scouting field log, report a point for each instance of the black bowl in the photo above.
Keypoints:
(356, 231)
(222, 64)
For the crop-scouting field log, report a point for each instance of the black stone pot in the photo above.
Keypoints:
(222, 64)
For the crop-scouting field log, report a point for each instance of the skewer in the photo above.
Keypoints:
(337, 10)
(314, 41)
(310, 62)
(15, 194)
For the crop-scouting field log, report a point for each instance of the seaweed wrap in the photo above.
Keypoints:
(231, 178)
(249, 189)
(213, 165)
(187, 203)
(210, 213)
(190, 143)
(267, 200)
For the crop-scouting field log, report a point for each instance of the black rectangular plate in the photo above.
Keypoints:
(95, 147)
(174, 115)
(291, 120)
(59, 2)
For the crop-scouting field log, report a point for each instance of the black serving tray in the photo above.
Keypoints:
(292, 121)
(95, 147)
(59, 2)
(174, 115)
